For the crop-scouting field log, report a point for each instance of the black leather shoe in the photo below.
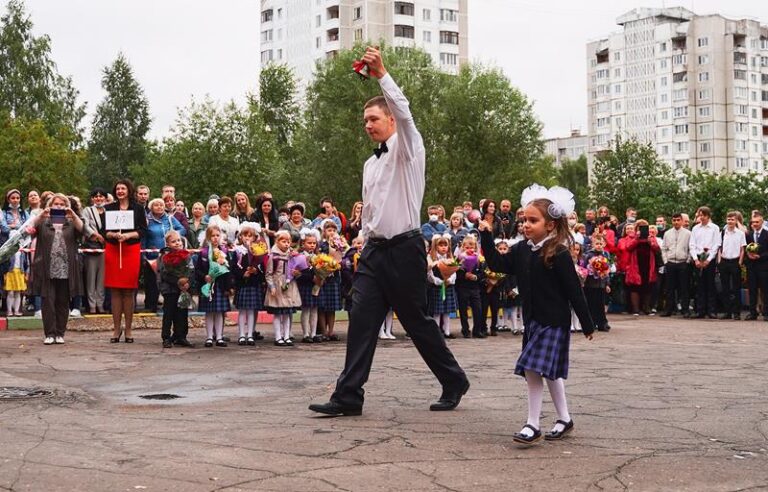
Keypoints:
(556, 436)
(167, 343)
(701, 316)
(478, 335)
(335, 409)
(737, 317)
(665, 315)
(449, 399)
(184, 343)
(750, 317)
(525, 439)
(686, 315)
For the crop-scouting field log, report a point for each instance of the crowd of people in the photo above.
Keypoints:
(76, 264)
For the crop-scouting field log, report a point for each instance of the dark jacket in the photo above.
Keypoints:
(503, 229)
(41, 265)
(762, 240)
(239, 262)
(139, 221)
(547, 293)
(462, 282)
(169, 280)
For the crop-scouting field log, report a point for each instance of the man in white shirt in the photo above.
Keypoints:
(729, 262)
(704, 245)
(392, 269)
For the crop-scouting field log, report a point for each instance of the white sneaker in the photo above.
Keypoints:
(60, 340)
(49, 341)
(75, 313)
(38, 314)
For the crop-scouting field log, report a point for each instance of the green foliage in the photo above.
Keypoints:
(632, 175)
(31, 158)
(30, 85)
(120, 125)
(725, 192)
(214, 149)
(573, 175)
(276, 102)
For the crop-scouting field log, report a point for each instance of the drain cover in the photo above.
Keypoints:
(20, 393)
(160, 396)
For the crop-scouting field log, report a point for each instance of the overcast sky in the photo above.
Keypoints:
(181, 49)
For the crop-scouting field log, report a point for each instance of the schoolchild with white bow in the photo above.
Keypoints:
(282, 298)
(305, 280)
(248, 269)
(441, 294)
(549, 287)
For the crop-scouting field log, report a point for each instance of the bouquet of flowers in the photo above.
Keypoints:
(177, 262)
(599, 267)
(324, 265)
(704, 255)
(583, 273)
(297, 261)
(217, 266)
(20, 238)
(469, 261)
(492, 278)
(753, 248)
(259, 248)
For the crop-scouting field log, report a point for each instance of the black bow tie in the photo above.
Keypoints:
(380, 150)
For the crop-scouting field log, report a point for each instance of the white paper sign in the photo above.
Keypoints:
(119, 220)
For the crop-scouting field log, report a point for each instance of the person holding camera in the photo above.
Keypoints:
(639, 252)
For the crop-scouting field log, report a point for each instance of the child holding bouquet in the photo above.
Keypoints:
(282, 293)
(348, 269)
(334, 246)
(174, 264)
(305, 282)
(596, 288)
(247, 262)
(576, 255)
(469, 279)
(510, 296)
(212, 271)
(441, 294)
(491, 297)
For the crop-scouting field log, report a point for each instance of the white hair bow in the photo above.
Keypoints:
(255, 226)
(304, 232)
(562, 199)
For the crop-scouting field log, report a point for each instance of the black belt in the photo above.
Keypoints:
(729, 259)
(381, 242)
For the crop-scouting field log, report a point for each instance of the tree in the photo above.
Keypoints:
(277, 102)
(573, 175)
(725, 192)
(632, 175)
(31, 158)
(120, 125)
(30, 85)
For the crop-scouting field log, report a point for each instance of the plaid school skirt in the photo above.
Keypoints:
(330, 295)
(219, 301)
(250, 298)
(307, 299)
(545, 351)
(439, 306)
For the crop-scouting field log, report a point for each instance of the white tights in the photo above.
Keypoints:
(14, 301)
(282, 326)
(309, 321)
(386, 327)
(443, 322)
(536, 396)
(214, 324)
(246, 322)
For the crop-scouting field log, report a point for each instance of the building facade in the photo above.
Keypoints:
(304, 32)
(696, 87)
(567, 148)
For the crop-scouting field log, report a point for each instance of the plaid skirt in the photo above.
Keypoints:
(330, 295)
(250, 298)
(439, 306)
(545, 351)
(219, 301)
(307, 299)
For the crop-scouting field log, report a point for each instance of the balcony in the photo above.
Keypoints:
(739, 58)
(332, 12)
(332, 35)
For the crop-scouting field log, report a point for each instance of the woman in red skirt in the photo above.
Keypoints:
(122, 258)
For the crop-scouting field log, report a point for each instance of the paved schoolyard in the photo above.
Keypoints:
(659, 404)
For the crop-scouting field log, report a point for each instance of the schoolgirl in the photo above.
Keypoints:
(549, 287)
(309, 239)
(16, 283)
(213, 274)
(510, 297)
(441, 293)
(282, 292)
(330, 293)
(469, 280)
(348, 269)
(248, 275)
(578, 257)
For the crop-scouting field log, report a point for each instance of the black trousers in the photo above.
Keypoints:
(151, 289)
(596, 303)
(730, 277)
(469, 298)
(677, 280)
(174, 316)
(392, 274)
(490, 300)
(706, 295)
(55, 308)
(757, 279)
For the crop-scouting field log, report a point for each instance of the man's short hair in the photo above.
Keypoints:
(677, 215)
(379, 101)
(142, 187)
(631, 209)
(705, 211)
(732, 214)
(757, 213)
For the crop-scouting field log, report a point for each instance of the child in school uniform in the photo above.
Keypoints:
(440, 290)
(174, 264)
(214, 298)
(16, 283)
(309, 239)
(348, 269)
(282, 292)
(248, 276)
(549, 287)
(490, 300)
(577, 257)
(596, 287)
(469, 281)
(330, 293)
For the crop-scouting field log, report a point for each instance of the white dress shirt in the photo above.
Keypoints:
(733, 241)
(393, 184)
(705, 236)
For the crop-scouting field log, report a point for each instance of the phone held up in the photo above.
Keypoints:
(58, 216)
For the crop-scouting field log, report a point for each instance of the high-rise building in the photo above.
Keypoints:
(303, 32)
(695, 86)
(568, 148)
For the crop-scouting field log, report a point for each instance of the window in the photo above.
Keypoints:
(358, 34)
(664, 82)
(664, 98)
(403, 8)
(279, 13)
(705, 94)
(665, 149)
(705, 111)
(617, 89)
(742, 162)
(449, 37)
(266, 36)
(703, 59)
(448, 15)
(280, 34)
(617, 72)
(679, 59)
(753, 95)
(449, 59)
(754, 131)
(617, 56)
(602, 122)
(617, 106)
(279, 54)
(266, 56)
(664, 132)
(741, 109)
(603, 106)
(663, 63)
(740, 74)
(680, 94)
(266, 15)
(705, 130)
(740, 92)
(703, 76)
(402, 31)
(702, 42)
(681, 163)
(681, 111)
(357, 13)
(741, 145)
(318, 20)
(665, 115)
(681, 129)
(426, 14)
(427, 35)
(663, 47)
(317, 42)
(704, 164)
(602, 73)
(741, 127)
(682, 146)
(754, 113)
(705, 147)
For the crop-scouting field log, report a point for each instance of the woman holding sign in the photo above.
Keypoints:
(126, 224)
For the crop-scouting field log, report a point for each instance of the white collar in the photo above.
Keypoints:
(539, 245)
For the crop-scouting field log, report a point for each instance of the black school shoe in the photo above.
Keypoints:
(184, 343)
(449, 399)
(336, 410)
(167, 343)
(556, 436)
(521, 438)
